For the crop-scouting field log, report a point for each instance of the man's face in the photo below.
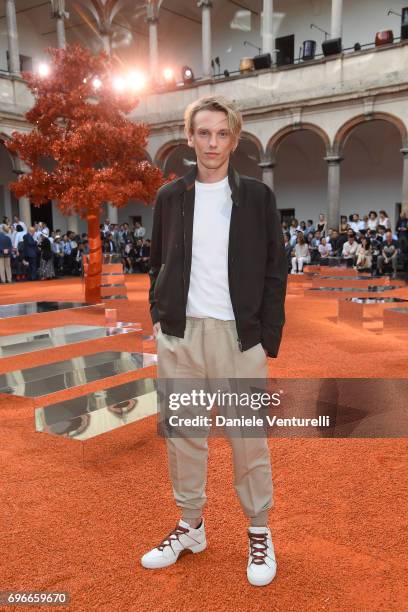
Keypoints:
(212, 139)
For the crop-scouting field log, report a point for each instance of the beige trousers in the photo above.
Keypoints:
(210, 350)
(5, 269)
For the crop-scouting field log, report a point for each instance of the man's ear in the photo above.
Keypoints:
(189, 139)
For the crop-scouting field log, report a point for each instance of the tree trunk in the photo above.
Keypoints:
(93, 276)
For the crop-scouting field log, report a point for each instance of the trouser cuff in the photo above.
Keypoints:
(260, 520)
(188, 513)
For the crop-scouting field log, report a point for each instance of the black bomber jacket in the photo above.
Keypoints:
(257, 264)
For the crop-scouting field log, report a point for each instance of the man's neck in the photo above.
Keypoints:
(211, 175)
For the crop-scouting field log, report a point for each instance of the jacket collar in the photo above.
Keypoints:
(233, 180)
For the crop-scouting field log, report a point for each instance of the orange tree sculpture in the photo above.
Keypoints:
(96, 153)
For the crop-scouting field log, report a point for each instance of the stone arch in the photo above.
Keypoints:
(347, 128)
(254, 140)
(166, 148)
(276, 139)
(14, 160)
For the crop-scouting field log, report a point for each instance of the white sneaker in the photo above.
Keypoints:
(182, 540)
(261, 568)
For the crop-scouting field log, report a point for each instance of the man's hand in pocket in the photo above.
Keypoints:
(156, 328)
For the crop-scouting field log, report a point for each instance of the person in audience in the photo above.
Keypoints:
(288, 249)
(138, 259)
(17, 221)
(324, 249)
(6, 249)
(381, 229)
(139, 231)
(17, 235)
(108, 244)
(310, 228)
(349, 252)
(372, 222)
(314, 247)
(364, 255)
(30, 252)
(384, 220)
(322, 225)
(302, 226)
(336, 243)
(389, 254)
(354, 221)
(293, 231)
(401, 229)
(300, 255)
(46, 270)
(58, 251)
(129, 255)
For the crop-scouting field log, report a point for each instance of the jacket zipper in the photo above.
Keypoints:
(184, 258)
(231, 243)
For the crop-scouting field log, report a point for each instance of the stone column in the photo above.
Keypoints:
(12, 36)
(24, 210)
(404, 195)
(152, 20)
(268, 166)
(72, 224)
(268, 43)
(59, 13)
(206, 36)
(336, 30)
(112, 213)
(333, 191)
(7, 203)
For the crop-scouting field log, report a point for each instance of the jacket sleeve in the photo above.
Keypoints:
(276, 275)
(155, 257)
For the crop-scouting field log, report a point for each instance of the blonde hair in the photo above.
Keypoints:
(214, 103)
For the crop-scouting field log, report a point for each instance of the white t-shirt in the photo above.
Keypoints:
(208, 294)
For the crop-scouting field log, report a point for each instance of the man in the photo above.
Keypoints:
(139, 230)
(17, 221)
(5, 254)
(30, 252)
(389, 254)
(349, 251)
(336, 243)
(357, 224)
(310, 228)
(217, 312)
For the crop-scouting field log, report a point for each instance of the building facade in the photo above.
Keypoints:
(327, 131)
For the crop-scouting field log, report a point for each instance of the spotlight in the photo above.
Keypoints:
(97, 83)
(43, 69)
(187, 74)
(168, 75)
(136, 80)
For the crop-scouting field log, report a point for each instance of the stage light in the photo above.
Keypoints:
(187, 74)
(97, 83)
(168, 75)
(43, 69)
(136, 80)
(119, 83)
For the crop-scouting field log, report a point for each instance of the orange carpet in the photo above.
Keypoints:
(339, 522)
